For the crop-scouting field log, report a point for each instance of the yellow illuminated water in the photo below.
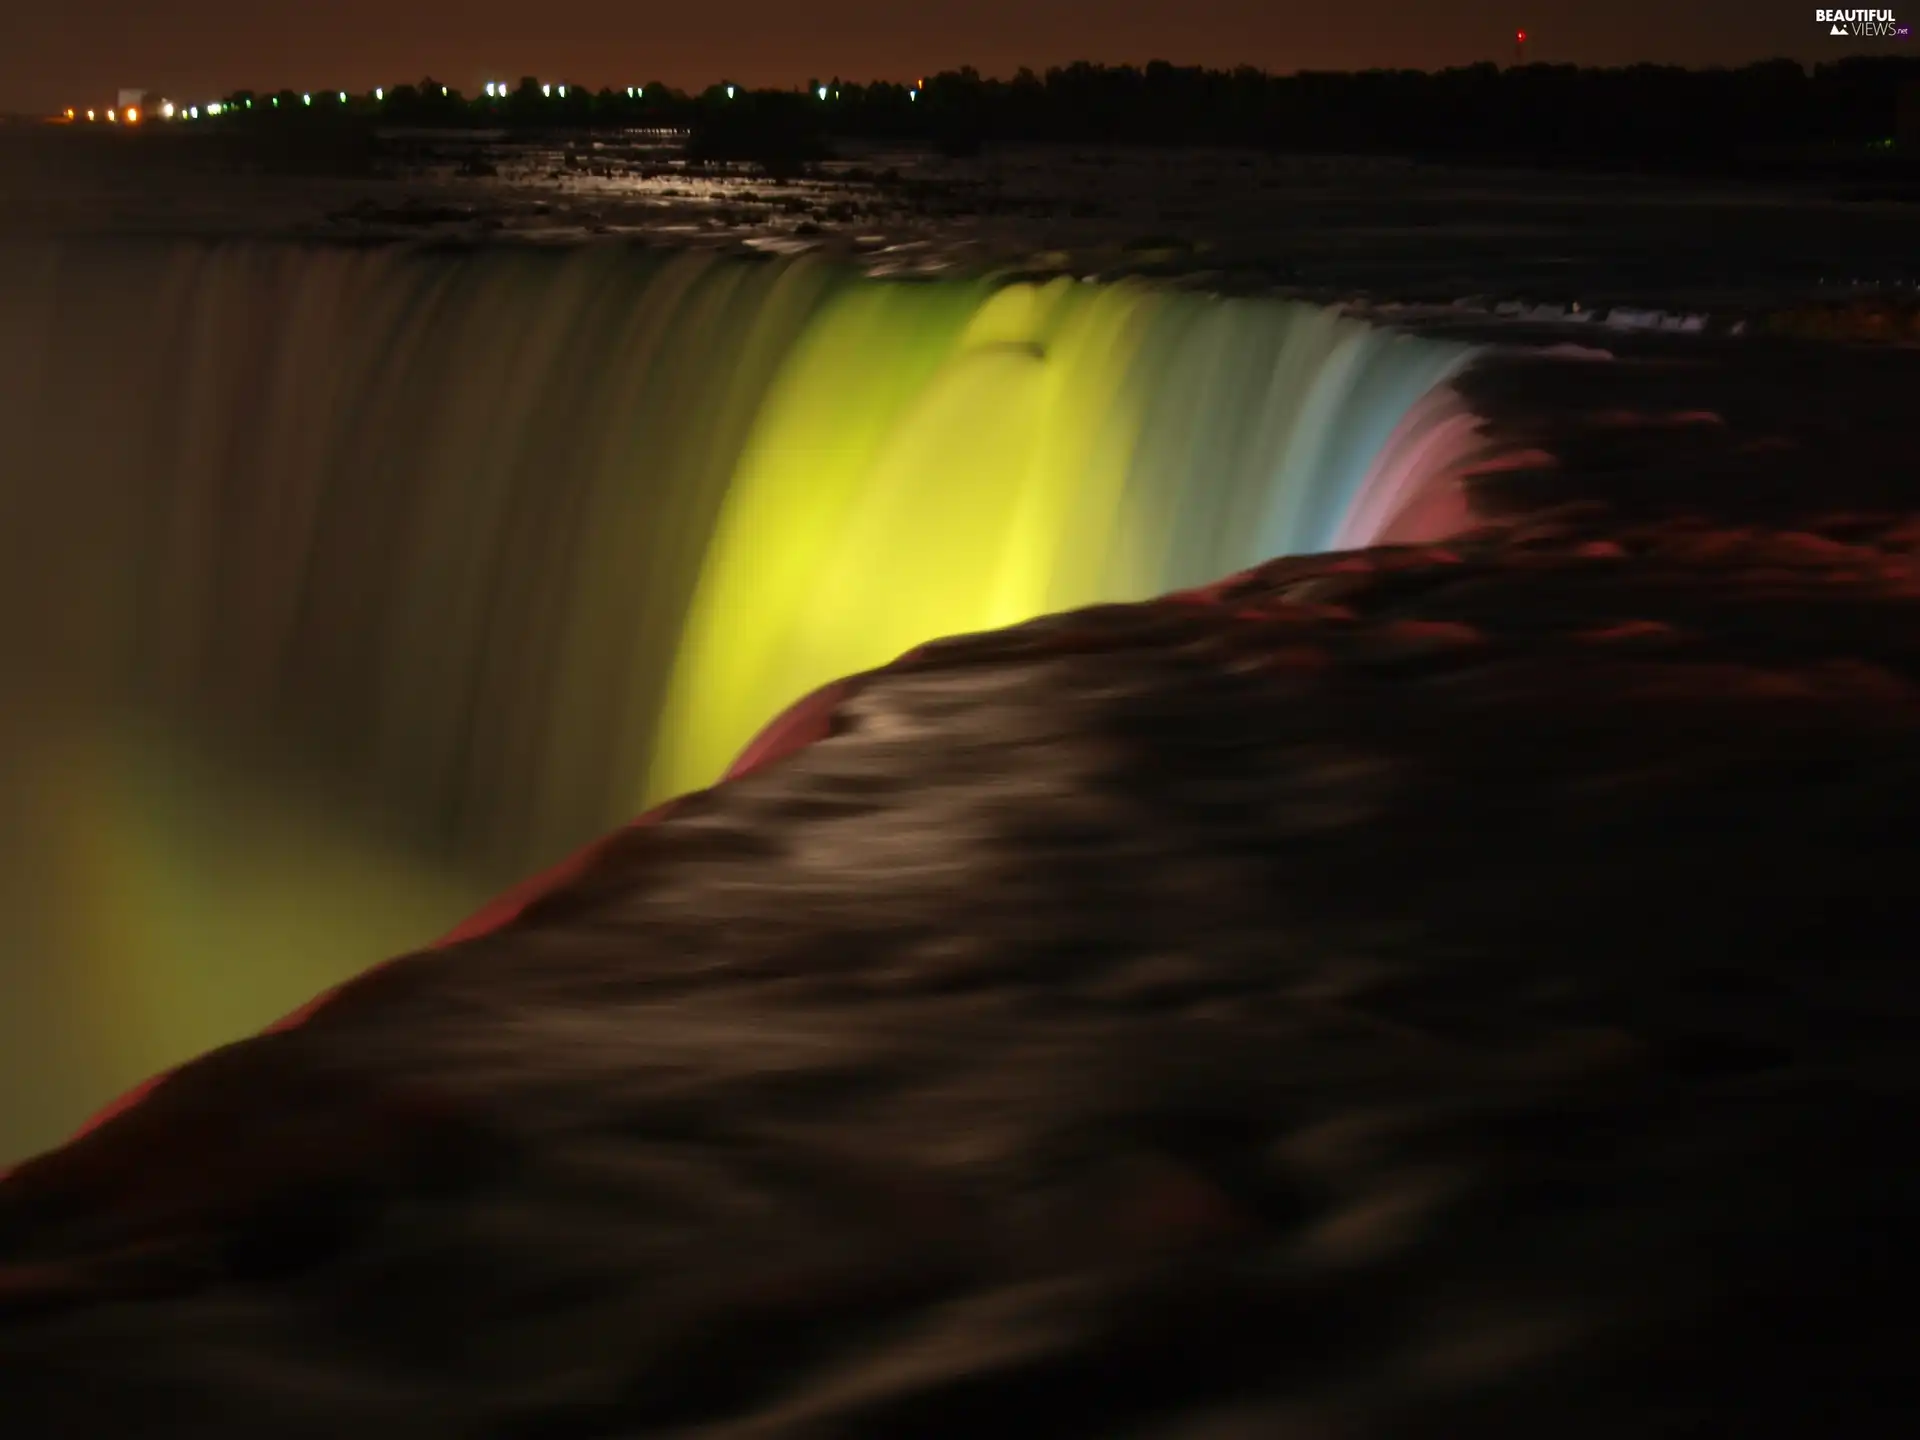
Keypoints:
(362, 581)
(939, 459)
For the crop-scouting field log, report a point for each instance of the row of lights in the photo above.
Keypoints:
(913, 92)
(499, 90)
(132, 115)
(168, 111)
(496, 89)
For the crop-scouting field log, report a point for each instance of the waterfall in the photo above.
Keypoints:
(364, 579)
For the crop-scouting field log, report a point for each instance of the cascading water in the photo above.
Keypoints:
(339, 586)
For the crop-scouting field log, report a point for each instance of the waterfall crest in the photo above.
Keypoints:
(369, 579)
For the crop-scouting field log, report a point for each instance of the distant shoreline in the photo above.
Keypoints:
(1762, 116)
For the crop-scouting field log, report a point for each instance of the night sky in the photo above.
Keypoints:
(60, 52)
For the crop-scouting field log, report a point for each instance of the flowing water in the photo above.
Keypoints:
(339, 586)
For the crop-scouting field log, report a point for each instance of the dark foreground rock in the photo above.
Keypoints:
(1435, 993)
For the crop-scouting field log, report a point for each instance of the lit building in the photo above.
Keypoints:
(142, 104)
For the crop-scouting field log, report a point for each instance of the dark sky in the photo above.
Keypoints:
(60, 52)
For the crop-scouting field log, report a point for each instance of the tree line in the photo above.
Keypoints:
(1563, 111)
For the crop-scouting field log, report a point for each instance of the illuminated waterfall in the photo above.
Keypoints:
(940, 459)
(342, 585)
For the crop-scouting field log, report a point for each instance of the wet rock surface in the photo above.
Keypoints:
(1454, 990)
